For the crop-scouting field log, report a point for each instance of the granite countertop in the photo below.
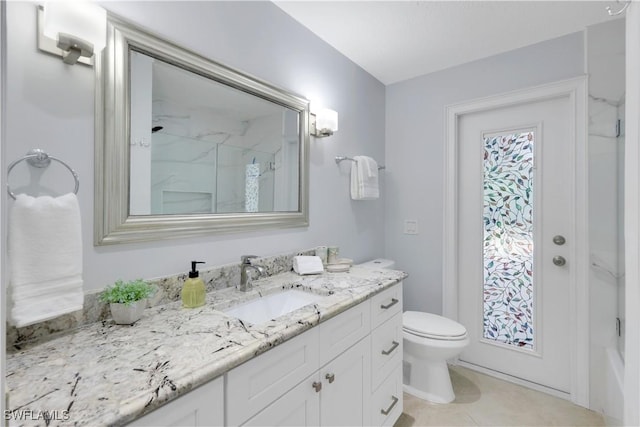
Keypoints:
(108, 374)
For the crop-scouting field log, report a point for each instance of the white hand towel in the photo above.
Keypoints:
(364, 179)
(307, 265)
(45, 255)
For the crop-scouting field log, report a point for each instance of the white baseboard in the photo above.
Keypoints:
(515, 380)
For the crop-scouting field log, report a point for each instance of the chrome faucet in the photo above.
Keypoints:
(245, 278)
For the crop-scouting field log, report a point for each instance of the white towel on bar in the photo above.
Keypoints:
(307, 265)
(45, 255)
(364, 179)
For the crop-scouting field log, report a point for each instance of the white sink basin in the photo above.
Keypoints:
(269, 307)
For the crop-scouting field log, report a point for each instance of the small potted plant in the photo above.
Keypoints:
(127, 300)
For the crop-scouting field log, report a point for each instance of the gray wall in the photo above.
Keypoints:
(50, 105)
(415, 140)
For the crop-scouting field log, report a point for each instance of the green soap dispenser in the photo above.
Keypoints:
(193, 291)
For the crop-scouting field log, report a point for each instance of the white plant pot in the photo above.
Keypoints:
(124, 314)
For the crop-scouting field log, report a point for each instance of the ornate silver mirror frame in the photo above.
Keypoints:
(113, 222)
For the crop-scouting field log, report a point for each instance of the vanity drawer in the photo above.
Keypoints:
(386, 402)
(386, 349)
(258, 382)
(343, 331)
(386, 304)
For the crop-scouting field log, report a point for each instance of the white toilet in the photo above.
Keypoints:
(429, 341)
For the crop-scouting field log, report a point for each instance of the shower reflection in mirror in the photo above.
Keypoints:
(198, 146)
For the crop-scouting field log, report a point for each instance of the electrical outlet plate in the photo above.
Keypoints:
(410, 226)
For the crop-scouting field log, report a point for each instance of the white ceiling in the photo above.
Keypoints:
(398, 40)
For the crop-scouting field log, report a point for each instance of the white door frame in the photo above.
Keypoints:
(576, 90)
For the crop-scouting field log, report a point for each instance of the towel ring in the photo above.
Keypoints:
(40, 159)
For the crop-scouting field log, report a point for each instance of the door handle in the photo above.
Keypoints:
(559, 260)
(317, 386)
(559, 240)
(330, 377)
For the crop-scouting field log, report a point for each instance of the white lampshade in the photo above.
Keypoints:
(80, 18)
(327, 119)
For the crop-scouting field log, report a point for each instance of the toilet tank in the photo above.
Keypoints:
(378, 263)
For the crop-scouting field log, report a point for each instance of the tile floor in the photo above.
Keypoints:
(482, 400)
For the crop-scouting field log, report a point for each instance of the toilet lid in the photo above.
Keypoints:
(430, 325)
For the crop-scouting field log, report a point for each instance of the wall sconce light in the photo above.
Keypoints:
(74, 30)
(324, 123)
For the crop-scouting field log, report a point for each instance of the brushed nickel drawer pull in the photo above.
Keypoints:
(330, 377)
(317, 386)
(391, 304)
(393, 347)
(395, 400)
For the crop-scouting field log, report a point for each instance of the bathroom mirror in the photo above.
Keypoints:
(187, 146)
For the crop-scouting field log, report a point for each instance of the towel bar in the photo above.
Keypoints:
(40, 159)
(342, 158)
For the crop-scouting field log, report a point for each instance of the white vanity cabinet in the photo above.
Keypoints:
(346, 371)
(203, 406)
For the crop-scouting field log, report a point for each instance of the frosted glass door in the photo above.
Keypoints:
(516, 194)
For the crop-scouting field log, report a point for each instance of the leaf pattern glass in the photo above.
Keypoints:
(508, 239)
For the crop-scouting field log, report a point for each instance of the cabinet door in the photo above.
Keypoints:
(253, 385)
(298, 407)
(203, 406)
(346, 388)
(339, 333)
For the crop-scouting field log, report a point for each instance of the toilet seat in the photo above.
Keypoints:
(432, 326)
